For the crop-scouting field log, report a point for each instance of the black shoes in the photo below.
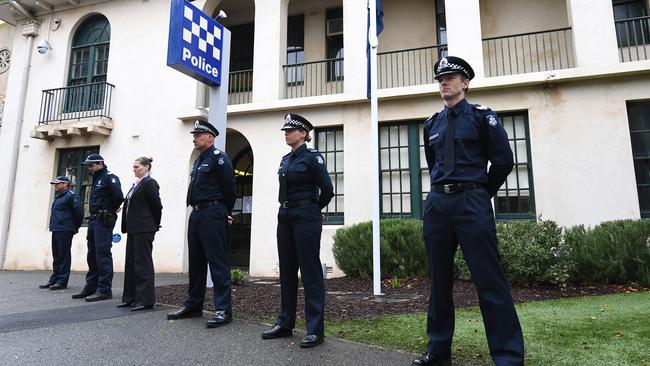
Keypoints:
(47, 285)
(58, 286)
(429, 359)
(99, 296)
(311, 340)
(82, 295)
(142, 307)
(220, 318)
(184, 312)
(125, 305)
(277, 332)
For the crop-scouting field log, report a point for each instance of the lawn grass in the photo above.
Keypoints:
(599, 330)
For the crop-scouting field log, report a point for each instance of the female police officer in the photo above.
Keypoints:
(302, 173)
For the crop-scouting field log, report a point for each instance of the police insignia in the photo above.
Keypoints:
(492, 120)
(482, 107)
(220, 161)
(113, 180)
(320, 160)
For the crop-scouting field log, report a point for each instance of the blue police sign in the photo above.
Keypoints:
(195, 43)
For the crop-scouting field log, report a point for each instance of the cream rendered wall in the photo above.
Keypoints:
(506, 17)
(416, 16)
(147, 100)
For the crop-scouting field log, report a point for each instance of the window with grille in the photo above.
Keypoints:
(329, 142)
(296, 49)
(69, 165)
(638, 115)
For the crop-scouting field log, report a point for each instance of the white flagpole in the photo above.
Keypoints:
(374, 136)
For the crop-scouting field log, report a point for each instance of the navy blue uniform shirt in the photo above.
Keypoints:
(302, 173)
(479, 138)
(67, 213)
(212, 179)
(106, 192)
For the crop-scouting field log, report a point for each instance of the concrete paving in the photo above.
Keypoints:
(43, 327)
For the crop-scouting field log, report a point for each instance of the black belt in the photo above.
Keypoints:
(293, 204)
(204, 205)
(455, 187)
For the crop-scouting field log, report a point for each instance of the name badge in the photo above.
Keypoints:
(433, 136)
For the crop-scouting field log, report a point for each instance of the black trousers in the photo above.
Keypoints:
(298, 234)
(467, 218)
(100, 259)
(61, 258)
(138, 270)
(207, 241)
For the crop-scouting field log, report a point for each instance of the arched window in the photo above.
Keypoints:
(88, 64)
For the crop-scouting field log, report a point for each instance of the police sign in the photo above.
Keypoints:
(195, 43)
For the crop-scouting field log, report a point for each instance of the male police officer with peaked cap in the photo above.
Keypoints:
(458, 143)
(65, 219)
(105, 199)
(211, 194)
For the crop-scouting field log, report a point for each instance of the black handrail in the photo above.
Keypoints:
(76, 102)
(307, 79)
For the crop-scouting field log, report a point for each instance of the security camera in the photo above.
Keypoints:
(43, 46)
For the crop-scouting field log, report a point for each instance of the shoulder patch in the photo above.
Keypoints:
(492, 120)
(319, 160)
(481, 107)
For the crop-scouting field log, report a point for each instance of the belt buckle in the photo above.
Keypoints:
(285, 204)
(448, 188)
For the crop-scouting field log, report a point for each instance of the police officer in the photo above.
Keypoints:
(302, 174)
(105, 199)
(458, 143)
(65, 219)
(211, 194)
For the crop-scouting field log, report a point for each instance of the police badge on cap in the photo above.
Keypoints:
(203, 126)
(293, 121)
(453, 65)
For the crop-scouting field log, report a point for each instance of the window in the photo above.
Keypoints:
(515, 200)
(329, 141)
(70, 166)
(296, 49)
(633, 31)
(441, 27)
(404, 178)
(638, 115)
(334, 44)
(88, 65)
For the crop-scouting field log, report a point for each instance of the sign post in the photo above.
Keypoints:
(199, 47)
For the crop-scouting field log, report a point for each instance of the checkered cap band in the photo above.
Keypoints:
(201, 127)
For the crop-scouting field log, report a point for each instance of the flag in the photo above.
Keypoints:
(380, 26)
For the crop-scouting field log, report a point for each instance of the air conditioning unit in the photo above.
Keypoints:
(335, 27)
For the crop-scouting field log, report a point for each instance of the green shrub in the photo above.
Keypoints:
(611, 252)
(402, 249)
(237, 276)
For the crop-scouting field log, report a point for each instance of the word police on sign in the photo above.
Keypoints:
(195, 43)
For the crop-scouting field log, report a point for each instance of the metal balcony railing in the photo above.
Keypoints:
(314, 78)
(240, 87)
(528, 52)
(76, 102)
(408, 67)
(633, 36)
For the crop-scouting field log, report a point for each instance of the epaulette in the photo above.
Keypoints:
(481, 107)
(313, 150)
(287, 154)
(432, 117)
(216, 152)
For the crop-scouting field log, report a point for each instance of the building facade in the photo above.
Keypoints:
(568, 78)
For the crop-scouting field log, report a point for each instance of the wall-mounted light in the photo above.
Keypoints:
(222, 14)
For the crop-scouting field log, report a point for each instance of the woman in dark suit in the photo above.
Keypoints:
(140, 220)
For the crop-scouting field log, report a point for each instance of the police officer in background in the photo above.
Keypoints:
(105, 199)
(458, 143)
(65, 219)
(211, 194)
(302, 174)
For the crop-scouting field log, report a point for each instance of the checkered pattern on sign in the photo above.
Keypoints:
(195, 31)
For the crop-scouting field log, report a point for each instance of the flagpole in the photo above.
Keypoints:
(374, 136)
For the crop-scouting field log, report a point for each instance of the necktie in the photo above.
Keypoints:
(284, 191)
(195, 169)
(450, 150)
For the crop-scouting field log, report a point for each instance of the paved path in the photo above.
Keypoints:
(43, 327)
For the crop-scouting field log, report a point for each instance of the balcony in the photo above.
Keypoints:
(528, 52)
(240, 87)
(79, 110)
(408, 67)
(314, 78)
(633, 36)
